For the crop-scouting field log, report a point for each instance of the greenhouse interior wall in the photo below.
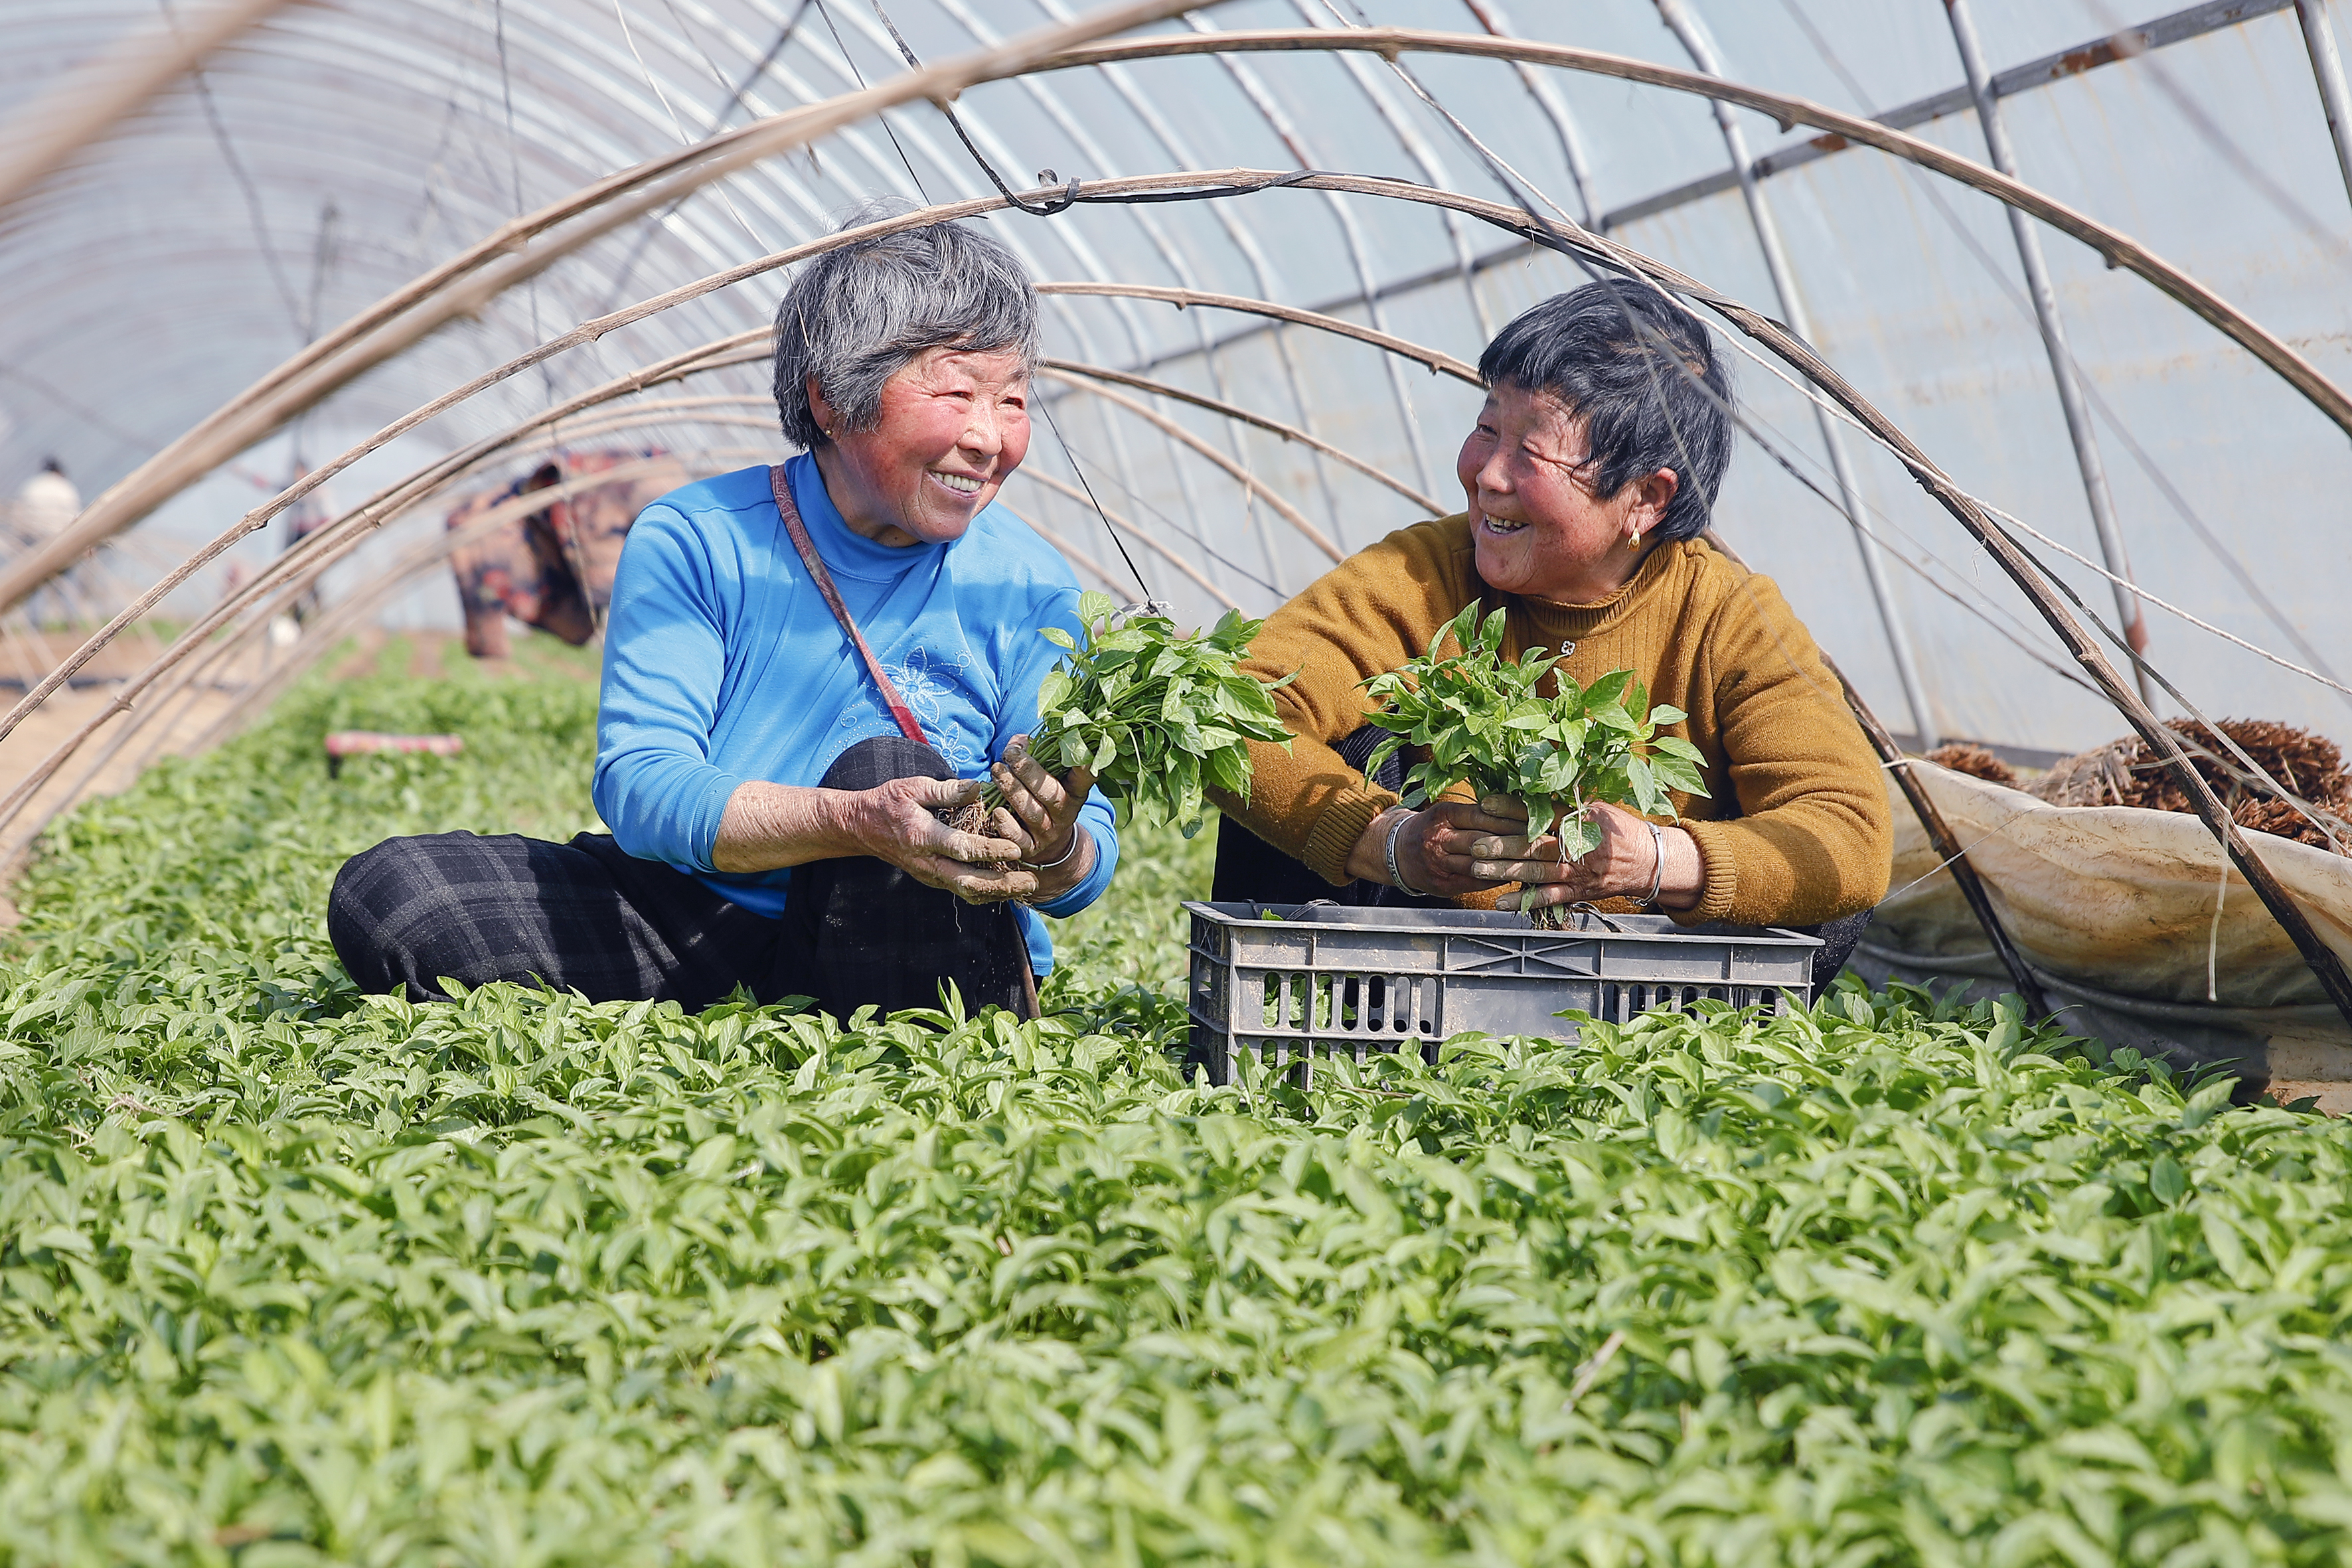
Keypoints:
(333, 152)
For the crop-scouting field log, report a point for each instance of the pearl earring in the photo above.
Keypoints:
(1633, 538)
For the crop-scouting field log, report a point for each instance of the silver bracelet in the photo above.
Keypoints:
(1658, 877)
(1396, 872)
(1062, 860)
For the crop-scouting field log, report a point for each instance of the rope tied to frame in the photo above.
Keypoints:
(1070, 195)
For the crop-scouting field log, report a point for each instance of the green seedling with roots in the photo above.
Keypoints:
(1157, 714)
(1486, 724)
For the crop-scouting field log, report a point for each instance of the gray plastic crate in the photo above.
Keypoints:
(1327, 977)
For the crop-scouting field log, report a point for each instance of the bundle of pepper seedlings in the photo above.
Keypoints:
(1483, 723)
(1159, 715)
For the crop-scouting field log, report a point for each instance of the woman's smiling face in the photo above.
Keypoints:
(953, 427)
(1541, 530)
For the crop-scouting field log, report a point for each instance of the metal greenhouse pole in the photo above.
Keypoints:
(1686, 26)
(2054, 342)
(2327, 68)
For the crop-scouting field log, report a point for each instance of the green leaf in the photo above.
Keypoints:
(2166, 1180)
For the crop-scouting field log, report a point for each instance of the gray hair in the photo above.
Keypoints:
(856, 316)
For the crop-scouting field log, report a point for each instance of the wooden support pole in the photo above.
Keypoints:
(1947, 849)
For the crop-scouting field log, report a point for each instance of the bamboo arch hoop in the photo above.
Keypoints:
(453, 288)
(370, 337)
(45, 136)
(427, 554)
(2119, 249)
(180, 684)
(320, 549)
(1184, 299)
(1247, 417)
(1240, 474)
(2116, 247)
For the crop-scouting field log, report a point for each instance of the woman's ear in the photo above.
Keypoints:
(821, 409)
(1652, 493)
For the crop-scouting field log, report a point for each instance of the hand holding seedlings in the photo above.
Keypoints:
(1566, 762)
(1436, 850)
(1151, 714)
(900, 821)
(1040, 814)
(1626, 863)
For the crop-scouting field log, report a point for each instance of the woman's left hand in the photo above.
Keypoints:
(1041, 815)
(1623, 867)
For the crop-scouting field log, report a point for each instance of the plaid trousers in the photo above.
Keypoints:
(586, 916)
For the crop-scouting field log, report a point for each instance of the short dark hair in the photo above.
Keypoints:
(1642, 374)
(856, 316)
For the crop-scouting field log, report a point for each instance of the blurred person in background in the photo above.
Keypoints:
(46, 503)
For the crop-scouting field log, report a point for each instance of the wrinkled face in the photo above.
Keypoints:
(954, 425)
(1541, 530)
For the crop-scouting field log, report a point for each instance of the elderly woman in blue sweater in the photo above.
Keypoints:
(804, 668)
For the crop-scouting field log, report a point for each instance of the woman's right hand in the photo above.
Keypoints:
(897, 821)
(1434, 847)
(768, 826)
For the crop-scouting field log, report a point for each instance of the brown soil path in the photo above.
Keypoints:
(26, 656)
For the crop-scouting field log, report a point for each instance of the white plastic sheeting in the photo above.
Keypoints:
(336, 152)
(2131, 921)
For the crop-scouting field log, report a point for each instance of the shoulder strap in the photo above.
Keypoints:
(909, 725)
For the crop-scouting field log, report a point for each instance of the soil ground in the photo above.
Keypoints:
(27, 656)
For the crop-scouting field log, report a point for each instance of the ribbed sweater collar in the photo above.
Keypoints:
(1574, 622)
(845, 552)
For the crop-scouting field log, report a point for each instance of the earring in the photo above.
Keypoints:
(1633, 538)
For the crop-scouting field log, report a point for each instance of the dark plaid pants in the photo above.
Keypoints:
(1251, 870)
(588, 917)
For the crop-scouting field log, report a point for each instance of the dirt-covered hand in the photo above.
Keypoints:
(1623, 867)
(897, 821)
(1040, 811)
(1434, 847)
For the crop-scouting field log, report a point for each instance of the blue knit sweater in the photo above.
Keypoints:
(723, 664)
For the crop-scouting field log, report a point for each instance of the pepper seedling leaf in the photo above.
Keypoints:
(1151, 710)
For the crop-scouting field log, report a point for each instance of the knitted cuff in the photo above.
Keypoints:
(1338, 829)
(1718, 872)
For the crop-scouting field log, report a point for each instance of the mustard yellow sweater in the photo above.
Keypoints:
(1796, 828)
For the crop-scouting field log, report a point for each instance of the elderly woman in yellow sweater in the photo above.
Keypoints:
(1588, 476)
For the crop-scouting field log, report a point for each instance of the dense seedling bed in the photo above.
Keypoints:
(288, 1275)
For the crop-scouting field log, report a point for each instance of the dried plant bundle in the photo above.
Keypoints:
(2126, 772)
(1968, 757)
